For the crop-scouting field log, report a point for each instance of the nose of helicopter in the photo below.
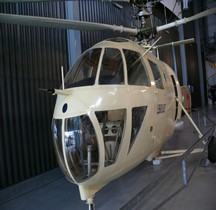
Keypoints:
(81, 133)
(74, 137)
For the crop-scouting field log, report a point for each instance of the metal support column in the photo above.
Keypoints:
(90, 202)
(183, 57)
(73, 36)
(174, 59)
(199, 55)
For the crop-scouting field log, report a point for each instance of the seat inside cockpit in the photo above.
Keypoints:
(112, 126)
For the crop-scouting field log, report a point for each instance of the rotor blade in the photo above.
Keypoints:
(16, 1)
(177, 43)
(62, 23)
(23, 1)
(186, 20)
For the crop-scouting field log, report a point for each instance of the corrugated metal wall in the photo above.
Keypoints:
(30, 58)
(103, 12)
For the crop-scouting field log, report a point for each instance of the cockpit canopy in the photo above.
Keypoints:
(108, 66)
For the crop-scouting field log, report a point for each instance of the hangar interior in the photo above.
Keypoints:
(31, 58)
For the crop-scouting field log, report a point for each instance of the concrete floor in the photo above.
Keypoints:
(51, 190)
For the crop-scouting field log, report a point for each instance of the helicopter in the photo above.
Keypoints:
(117, 106)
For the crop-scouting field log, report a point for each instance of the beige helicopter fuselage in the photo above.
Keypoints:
(118, 107)
(103, 130)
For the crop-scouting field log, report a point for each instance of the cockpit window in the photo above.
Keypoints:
(111, 68)
(83, 73)
(136, 70)
(81, 147)
(57, 138)
(138, 115)
(157, 75)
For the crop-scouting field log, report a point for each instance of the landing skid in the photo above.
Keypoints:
(176, 153)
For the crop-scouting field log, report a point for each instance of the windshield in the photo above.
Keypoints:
(77, 140)
(84, 71)
(111, 71)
